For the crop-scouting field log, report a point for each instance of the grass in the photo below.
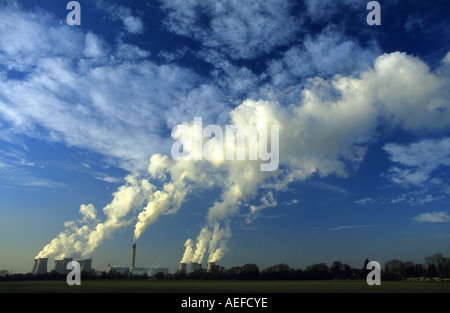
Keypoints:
(208, 286)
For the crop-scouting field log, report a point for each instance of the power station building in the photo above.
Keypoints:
(40, 266)
(132, 269)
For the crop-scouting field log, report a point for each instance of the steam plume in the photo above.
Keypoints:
(327, 132)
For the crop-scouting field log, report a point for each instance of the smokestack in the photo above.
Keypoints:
(33, 268)
(182, 267)
(133, 255)
(41, 267)
(210, 266)
(58, 267)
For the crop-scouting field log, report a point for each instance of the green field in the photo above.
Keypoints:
(208, 286)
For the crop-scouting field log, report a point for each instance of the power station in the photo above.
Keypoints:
(40, 266)
(132, 269)
(60, 266)
(195, 267)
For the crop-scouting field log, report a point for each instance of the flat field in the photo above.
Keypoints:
(209, 286)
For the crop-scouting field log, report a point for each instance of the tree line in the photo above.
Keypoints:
(435, 265)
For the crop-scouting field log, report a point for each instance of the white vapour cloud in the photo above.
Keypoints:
(326, 133)
(88, 212)
(329, 130)
(83, 237)
(178, 179)
(218, 244)
(188, 252)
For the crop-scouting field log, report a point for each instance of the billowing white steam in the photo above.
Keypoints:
(82, 240)
(328, 131)
(325, 133)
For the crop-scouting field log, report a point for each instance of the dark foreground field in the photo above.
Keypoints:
(189, 286)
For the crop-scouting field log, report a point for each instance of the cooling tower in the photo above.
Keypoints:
(58, 267)
(182, 267)
(41, 267)
(33, 268)
(194, 266)
(64, 265)
(133, 255)
(210, 266)
(85, 265)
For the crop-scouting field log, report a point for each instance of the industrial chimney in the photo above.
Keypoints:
(133, 255)
(41, 267)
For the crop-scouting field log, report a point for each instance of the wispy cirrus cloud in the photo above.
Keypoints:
(17, 171)
(416, 162)
(241, 30)
(365, 201)
(132, 23)
(351, 227)
(324, 54)
(73, 93)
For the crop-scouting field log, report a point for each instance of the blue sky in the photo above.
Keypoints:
(86, 114)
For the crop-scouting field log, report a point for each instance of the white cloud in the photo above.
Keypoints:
(118, 106)
(433, 217)
(131, 52)
(291, 202)
(364, 201)
(131, 23)
(28, 36)
(351, 227)
(109, 179)
(447, 58)
(418, 160)
(416, 197)
(320, 11)
(16, 171)
(94, 47)
(241, 30)
(324, 55)
(88, 211)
